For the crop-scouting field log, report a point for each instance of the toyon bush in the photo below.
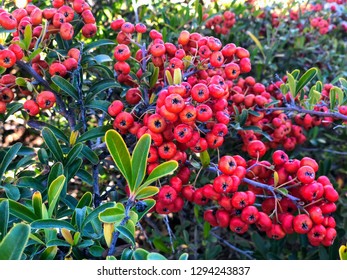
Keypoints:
(128, 137)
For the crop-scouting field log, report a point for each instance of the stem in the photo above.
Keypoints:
(168, 228)
(242, 252)
(116, 233)
(96, 190)
(135, 7)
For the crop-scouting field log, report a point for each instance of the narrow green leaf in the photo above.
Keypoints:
(100, 86)
(28, 35)
(184, 257)
(257, 42)
(52, 144)
(338, 94)
(4, 210)
(154, 77)
(13, 244)
(119, 153)
(52, 224)
(332, 97)
(146, 192)
(94, 133)
(85, 176)
(65, 86)
(292, 84)
(205, 158)
(12, 192)
(57, 242)
(142, 207)
(54, 191)
(37, 204)
(94, 214)
(73, 154)
(57, 132)
(296, 74)
(89, 154)
(127, 254)
(56, 170)
(128, 231)
(85, 200)
(162, 170)
(199, 13)
(72, 170)
(139, 161)
(21, 211)
(99, 105)
(8, 158)
(343, 82)
(97, 44)
(305, 79)
(12, 108)
(102, 58)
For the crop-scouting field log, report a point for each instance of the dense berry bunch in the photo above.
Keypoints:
(295, 202)
(221, 24)
(30, 23)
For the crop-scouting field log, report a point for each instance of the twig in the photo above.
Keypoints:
(116, 233)
(242, 252)
(171, 235)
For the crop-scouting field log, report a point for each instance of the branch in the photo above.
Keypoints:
(116, 233)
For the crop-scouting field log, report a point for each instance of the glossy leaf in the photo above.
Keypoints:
(94, 214)
(128, 231)
(52, 144)
(155, 257)
(65, 86)
(160, 171)
(52, 224)
(56, 170)
(119, 153)
(49, 253)
(89, 154)
(73, 154)
(140, 254)
(184, 257)
(305, 79)
(139, 161)
(4, 210)
(142, 207)
(21, 211)
(343, 252)
(94, 133)
(99, 105)
(205, 158)
(100, 86)
(8, 158)
(13, 244)
(54, 191)
(292, 84)
(112, 215)
(108, 233)
(98, 43)
(146, 192)
(154, 77)
(37, 204)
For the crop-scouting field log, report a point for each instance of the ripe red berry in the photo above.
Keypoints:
(115, 108)
(302, 224)
(239, 200)
(167, 194)
(2, 107)
(183, 133)
(227, 165)
(264, 222)
(237, 225)
(123, 121)
(306, 174)
(167, 150)
(45, 99)
(223, 218)
(31, 107)
(7, 58)
(256, 149)
(250, 214)
(122, 52)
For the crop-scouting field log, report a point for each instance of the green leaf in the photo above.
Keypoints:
(146, 192)
(296, 74)
(97, 44)
(127, 254)
(72, 170)
(12, 108)
(257, 42)
(128, 231)
(57, 132)
(52, 144)
(73, 154)
(155, 257)
(305, 79)
(100, 86)
(282, 191)
(343, 252)
(85, 176)
(162, 170)
(8, 158)
(140, 254)
(332, 97)
(65, 86)
(37, 204)
(54, 191)
(338, 93)
(112, 215)
(13, 244)
(85, 200)
(119, 153)
(89, 154)
(154, 77)
(56, 170)
(12, 192)
(28, 35)
(142, 207)
(199, 13)
(343, 82)
(52, 224)
(4, 210)
(102, 58)
(21, 211)
(205, 158)
(99, 105)
(184, 257)
(49, 253)
(139, 161)
(57, 242)
(94, 133)
(292, 84)
(102, 70)
(94, 214)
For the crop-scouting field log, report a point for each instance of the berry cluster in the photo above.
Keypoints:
(221, 24)
(320, 24)
(59, 19)
(287, 199)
